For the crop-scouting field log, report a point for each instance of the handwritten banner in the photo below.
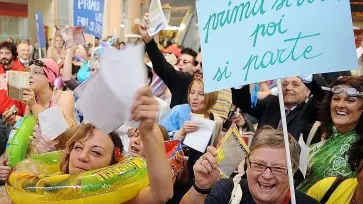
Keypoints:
(256, 40)
(89, 13)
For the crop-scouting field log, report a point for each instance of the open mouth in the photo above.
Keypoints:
(134, 149)
(341, 113)
(265, 186)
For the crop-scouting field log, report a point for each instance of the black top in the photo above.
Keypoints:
(267, 111)
(222, 190)
(177, 81)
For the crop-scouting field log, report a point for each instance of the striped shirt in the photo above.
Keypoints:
(223, 104)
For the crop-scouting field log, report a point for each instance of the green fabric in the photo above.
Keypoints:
(329, 159)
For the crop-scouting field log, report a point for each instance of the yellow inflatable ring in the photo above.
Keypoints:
(39, 180)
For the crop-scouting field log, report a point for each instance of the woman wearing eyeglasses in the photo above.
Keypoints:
(338, 189)
(342, 124)
(42, 95)
(267, 177)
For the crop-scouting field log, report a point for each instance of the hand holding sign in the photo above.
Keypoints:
(205, 169)
(73, 36)
(143, 28)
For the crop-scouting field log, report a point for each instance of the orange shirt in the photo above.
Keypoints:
(5, 101)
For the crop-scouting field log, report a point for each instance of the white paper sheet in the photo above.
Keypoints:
(52, 122)
(157, 18)
(199, 139)
(304, 156)
(106, 100)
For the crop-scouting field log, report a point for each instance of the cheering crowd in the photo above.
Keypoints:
(327, 115)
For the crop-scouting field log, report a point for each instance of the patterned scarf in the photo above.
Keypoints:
(329, 159)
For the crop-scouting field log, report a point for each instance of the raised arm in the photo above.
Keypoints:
(162, 68)
(242, 99)
(161, 184)
(67, 67)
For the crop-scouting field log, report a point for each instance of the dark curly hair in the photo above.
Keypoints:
(355, 154)
(325, 115)
(10, 46)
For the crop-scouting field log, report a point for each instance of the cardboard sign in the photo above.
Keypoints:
(16, 81)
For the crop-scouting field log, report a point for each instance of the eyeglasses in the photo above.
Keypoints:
(276, 171)
(352, 92)
(196, 63)
(184, 61)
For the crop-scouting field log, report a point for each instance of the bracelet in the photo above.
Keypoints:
(201, 191)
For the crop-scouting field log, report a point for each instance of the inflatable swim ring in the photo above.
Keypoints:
(39, 180)
(19, 139)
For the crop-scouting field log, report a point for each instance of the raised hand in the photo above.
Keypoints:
(145, 110)
(143, 26)
(205, 169)
(238, 119)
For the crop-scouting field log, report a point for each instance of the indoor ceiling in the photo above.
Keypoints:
(178, 10)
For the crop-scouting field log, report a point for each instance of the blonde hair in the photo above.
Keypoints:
(210, 99)
(266, 136)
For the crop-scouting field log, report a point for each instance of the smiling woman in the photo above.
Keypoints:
(267, 179)
(342, 124)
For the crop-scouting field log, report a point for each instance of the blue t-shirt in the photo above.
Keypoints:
(175, 119)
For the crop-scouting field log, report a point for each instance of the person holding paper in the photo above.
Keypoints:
(339, 189)
(179, 81)
(80, 150)
(42, 95)
(342, 124)
(296, 90)
(267, 179)
(8, 62)
(178, 121)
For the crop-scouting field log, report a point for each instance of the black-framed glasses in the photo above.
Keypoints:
(196, 63)
(352, 92)
(276, 171)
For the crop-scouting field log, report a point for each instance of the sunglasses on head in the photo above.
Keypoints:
(37, 63)
(352, 92)
(40, 63)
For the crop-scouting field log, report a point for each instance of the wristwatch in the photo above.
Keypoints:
(201, 191)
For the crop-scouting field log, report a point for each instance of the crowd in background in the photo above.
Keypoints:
(326, 109)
